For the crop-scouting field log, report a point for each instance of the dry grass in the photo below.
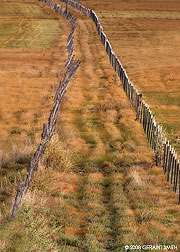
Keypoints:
(29, 75)
(97, 189)
(145, 37)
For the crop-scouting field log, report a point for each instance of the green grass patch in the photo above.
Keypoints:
(28, 33)
(21, 9)
(166, 112)
(20, 31)
(162, 98)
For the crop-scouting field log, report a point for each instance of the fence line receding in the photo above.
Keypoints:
(49, 129)
(165, 154)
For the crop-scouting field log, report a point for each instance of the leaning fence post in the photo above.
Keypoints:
(49, 129)
(17, 199)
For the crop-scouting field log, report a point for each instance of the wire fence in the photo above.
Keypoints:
(49, 129)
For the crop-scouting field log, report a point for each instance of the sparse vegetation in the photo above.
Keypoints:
(139, 33)
(98, 188)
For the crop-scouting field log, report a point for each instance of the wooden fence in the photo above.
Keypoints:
(76, 4)
(48, 129)
(164, 152)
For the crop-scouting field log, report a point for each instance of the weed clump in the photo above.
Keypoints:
(56, 156)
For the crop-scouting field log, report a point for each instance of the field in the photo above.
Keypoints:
(146, 37)
(98, 188)
(30, 71)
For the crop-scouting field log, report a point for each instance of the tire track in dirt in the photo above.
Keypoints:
(87, 81)
(97, 151)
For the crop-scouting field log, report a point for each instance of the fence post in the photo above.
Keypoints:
(176, 182)
(164, 155)
(105, 38)
(148, 122)
(125, 82)
(115, 66)
(121, 73)
(107, 46)
(151, 133)
(170, 160)
(159, 145)
(153, 136)
(163, 150)
(129, 89)
(113, 57)
(147, 117)
(150, 125)
(144, 115)
(179, 183)
(110, 54)
(17, 199)
(141, 112)
(175, 172)
(172, 168)
(167, 156)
